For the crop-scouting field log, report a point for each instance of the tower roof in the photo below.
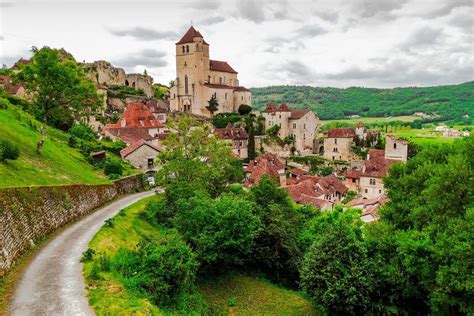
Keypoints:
(189, 36)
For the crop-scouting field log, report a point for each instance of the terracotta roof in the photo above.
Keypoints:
(382, 199)
(353, 174)
(130, 149)
(231, 132)
(376, 153)
(128, 135)
(377, 167)
(315, 187)
(360, 124)
(217, 65)
(267, 164)
(297, 172)
(136, 115)
(189, 36)
(240, 88)
(13, 89)
(283, 108)
(330, 184)
(219, 86)
(297, 114)
(341, 133)
(319, 203)
(271, 107)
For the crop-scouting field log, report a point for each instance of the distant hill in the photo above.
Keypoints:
(450, 102)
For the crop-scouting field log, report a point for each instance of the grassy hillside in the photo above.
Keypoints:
(236, 294)
(58, 164)
(450, 102)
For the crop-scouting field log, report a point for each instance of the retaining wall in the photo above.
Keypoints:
(29, 214)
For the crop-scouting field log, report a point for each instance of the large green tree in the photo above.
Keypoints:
(59, 87)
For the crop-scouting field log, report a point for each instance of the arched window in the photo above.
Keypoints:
(187, 48)
(394, 145)
(126, 83)
(183, 50)
(185, 84)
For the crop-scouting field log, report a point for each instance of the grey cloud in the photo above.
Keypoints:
(6, 4)
(205, 5)
(463, 20)
(311, 31)
(370, 8)
(2, 38)
(422, 38)
(146, 57)
(211, 20)
(277, 43)
(294, 72)
(448, 7)
(143, 33)
(251, 10)
(328, 16)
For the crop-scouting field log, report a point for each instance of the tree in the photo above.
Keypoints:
(59, 87)
(249, 124)
(213, 105)
(8, 151)
(245, 109)
(336, 271)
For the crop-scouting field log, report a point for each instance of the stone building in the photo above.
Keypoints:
(198, 78)
(338, 144)
(301, 124)
(265, 164)
(237, 136)
(396, 149)
(141, 155)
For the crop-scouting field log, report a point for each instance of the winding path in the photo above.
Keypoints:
(53, 284)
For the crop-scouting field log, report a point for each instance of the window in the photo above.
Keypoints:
(372, 181)
(279, 116)
(220, 80)
(333, 158)
(184, 51)
(187, 49)
(294, 125)
(335, 140)
(366, 191)
(186, 85)
(394, 145)
(226, 96)
(304, 126)
(304, 135)
(242, 98)
(209, 79)
(150, 163)
(353, 180)
(380, 191)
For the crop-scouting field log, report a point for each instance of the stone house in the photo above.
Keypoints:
(198, 78)
(265, 164)
(237, 136)
(352, 180)
(396, 149)
(369, 207)
(338, 144)
(301, 124)
(141, 155)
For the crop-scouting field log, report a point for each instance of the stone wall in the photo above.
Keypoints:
(29, 214)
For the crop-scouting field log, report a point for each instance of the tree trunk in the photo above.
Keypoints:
(39, 146)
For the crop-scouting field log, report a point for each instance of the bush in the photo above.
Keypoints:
(157, 212)
(8, 151)
(221, 120)
(113, 167)
(82, 131)
(161, 269)
(87, 255)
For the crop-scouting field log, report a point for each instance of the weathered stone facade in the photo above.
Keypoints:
(29, 214)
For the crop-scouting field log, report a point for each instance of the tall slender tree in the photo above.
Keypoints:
(213, 105)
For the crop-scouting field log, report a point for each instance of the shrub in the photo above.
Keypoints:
(8, 151)
(161, 269)
(109, 222)
(156, 211)
(113, 167)
(82, 131)
(87, 255)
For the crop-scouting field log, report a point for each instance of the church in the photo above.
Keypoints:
(199, 78)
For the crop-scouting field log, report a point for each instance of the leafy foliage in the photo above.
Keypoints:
(245, 109)
(113, 167)
(332, 103)
(8, 150)
(213, 105)
(220, 120)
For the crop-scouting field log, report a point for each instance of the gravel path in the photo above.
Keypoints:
(53, 284)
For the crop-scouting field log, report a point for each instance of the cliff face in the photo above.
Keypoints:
(103, 73)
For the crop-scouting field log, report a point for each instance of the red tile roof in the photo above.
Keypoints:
(217, 65)
(319, 203)
(315, 187)
(128, 135)
(353, 174)
(377, 167)
(297, 114)
(240, 88)
(341, 133)
(271, 107)
(136, 115)
(297, 172)
(267, 164)
(189, 36)
(130, 149)
(376, 153)
(231, 132)
(283, 108)
(330, 184)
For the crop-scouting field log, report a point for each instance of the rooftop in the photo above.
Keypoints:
(189, 36)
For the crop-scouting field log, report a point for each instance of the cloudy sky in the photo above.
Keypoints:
(373, 43)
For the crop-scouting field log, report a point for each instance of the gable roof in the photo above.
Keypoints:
(267, 164)
(341, 133)
(231, 132)
(377, 167)
(128, 135)
(297, 114)
(314, 187)
(130, 149)
(271, 107)
(297, 172)
(136, 115)
(189, 36)
(217, 65)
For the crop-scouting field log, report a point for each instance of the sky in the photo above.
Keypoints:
(370, 43)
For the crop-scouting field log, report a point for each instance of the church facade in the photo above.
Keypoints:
(199, 78)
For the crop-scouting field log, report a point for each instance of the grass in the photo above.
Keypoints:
(423, 136)
(369, 120)
(241, 294)
(251, 295)
(58, 164)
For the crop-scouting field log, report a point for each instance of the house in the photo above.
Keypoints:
(441, 128)
(17, 89)
(296, 173)
(395, 148)
(160, 110)
(301, 124)
(338, 144)
(265, 164)
(451, 132)
(321, 192)
(369, 207)
(136, 123)
(199, 78)
(370, 182)
(142, 155)
(237, 136)
(352, 179)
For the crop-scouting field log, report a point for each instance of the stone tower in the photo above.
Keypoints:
(396, 149)
(192, 60)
